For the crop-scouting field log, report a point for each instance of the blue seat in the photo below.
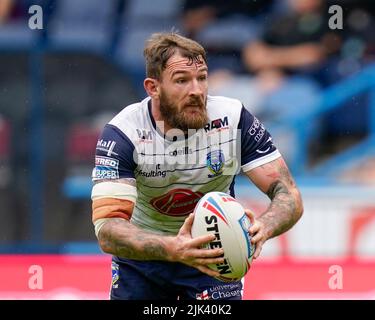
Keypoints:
(157, 9)
(83, 24)
(16, 35)
(140, 19)
(229, 33)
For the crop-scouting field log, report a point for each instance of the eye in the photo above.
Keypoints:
(202, 78)
(180, 80)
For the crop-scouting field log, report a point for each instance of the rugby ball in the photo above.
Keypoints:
(222, 215)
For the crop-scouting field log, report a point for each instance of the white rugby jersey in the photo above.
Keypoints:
(171, 176)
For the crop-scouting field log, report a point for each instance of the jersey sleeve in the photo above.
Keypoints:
(257, 147)
(114, 156)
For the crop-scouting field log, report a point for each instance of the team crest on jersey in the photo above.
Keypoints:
(215, 163)
(115, 274)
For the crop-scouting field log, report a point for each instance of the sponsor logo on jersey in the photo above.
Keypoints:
(182, 151)
(257, 130)
(106, 162)
(105, 168)
(104, 173)
(106, 146)
(153, 173)
(115, 274)
(177, 202)
(217, 124)
(144, 134)
(215, 163)
(220, 292)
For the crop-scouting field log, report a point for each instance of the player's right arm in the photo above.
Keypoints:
(114, 196)
(117, 236)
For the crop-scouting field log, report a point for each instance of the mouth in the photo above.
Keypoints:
(193, 105)
(193, 109)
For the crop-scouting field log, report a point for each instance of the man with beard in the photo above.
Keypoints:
(158, 157)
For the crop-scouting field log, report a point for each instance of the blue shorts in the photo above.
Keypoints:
(152, 280)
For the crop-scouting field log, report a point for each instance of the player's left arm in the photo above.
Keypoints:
(285, 209)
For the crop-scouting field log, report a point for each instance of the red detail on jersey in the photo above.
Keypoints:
(177, 202)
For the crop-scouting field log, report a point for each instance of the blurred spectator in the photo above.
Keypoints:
(11, 10)
(6, 7)
(356, 51)
(294, 45)
(199, 13)
(224, 27)
(358, 39)
(298, 40)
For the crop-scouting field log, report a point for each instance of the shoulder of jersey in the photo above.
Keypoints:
(132, 116)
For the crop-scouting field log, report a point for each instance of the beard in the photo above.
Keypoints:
(179, 118)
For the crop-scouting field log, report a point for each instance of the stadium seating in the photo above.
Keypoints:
(84, 24)
(139, 20)
(80, 146)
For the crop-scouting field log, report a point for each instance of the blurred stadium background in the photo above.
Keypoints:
(313, 87)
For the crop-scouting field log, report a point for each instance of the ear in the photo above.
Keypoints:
(152, 87)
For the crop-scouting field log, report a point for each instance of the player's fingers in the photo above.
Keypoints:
(250, 215)
(254, 228)
(186, 227)
(207, 253)
(202, 240)
(258, 249)
(257, 237)
(210, 261)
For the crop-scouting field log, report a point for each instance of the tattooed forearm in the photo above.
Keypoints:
(120, 238)
(284, 211)
(286, 205)
(276, 188)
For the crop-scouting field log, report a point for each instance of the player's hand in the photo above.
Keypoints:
(257, 232)
(189, 251)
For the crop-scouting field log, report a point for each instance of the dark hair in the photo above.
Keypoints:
(161, 46)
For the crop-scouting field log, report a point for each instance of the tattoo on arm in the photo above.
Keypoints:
(286, 205)
(120, 238)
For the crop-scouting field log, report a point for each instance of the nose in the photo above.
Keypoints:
(196, 88)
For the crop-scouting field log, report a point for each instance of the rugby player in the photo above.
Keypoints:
(158, 157)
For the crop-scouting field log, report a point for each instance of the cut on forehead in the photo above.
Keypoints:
(179, 62)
